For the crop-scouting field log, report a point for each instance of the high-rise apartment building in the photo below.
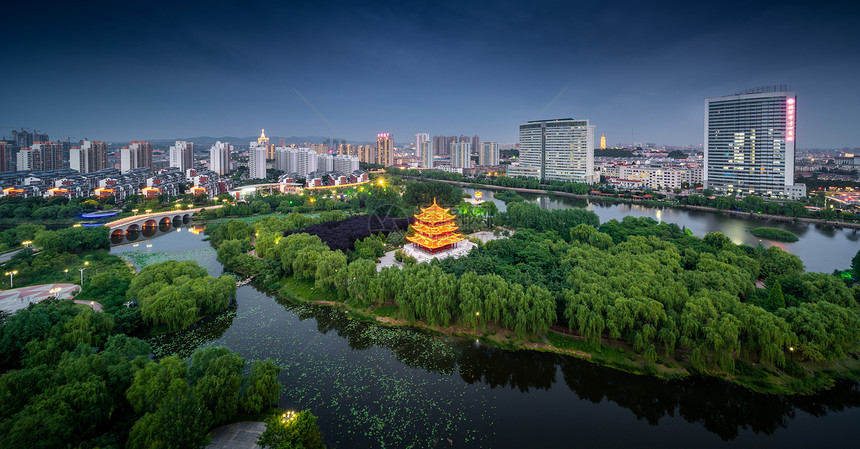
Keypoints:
(50, 156)
(219, 157)
(6, 156)
(182, 155)
(420, 138)
(440, 145)
(263, 141)
(489, 154)
(367, 154)
(144, 153)
(557, 150)
(91, 156)
(347, 149)
(461, 153)
(26, 139)
(136, 155)
(427, 159)
(257, 161)
(29, 159)
(300, 161)
(476, 143)
(750, 143)
(385, 149)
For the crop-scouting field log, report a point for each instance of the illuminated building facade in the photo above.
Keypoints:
(750, 144)
(603, 141)
(435, 230)
(557, 150)
(385, 149)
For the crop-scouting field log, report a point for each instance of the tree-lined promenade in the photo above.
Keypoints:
(748, 207)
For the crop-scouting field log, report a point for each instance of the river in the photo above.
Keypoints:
(821, 248)
(373, 386)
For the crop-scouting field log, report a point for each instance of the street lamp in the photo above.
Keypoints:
(82, 273)
(134, 211)
(27, 243)
(791, 351)
(288, 416)
(10, 273)
(67, 274)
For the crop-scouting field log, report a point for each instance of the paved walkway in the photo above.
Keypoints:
(20, 298)
(96, 306)
(240, 435)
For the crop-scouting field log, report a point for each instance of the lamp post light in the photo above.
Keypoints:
(10, 273)
(82, 273)
(134, 211)
(67, 274)
(27, 243)
(791, 351)
(288, 416)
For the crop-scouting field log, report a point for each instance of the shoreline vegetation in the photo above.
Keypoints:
(635, 295)
(644, 202)
(774, 233)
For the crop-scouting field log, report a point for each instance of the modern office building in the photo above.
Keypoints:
(556, 150)
(489, 154)
(750, 142)
(427, 158)
(385, 149)
(182, 155)
(420, 138)
(219, 157)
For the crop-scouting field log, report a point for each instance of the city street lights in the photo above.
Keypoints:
(10, 273)
(134, 211)
(82, 273)
(27, 243)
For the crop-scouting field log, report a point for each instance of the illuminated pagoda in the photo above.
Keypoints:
(435, 230)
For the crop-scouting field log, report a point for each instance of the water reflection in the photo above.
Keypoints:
(822, 248)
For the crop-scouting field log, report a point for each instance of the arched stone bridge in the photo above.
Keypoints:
(137, 223)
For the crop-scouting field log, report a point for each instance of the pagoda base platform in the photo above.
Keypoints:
(463, 247)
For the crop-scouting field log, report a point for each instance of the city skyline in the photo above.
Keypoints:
(638, 72)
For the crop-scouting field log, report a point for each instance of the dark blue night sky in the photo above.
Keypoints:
(147, 70)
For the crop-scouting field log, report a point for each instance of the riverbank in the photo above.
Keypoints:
(652, 203)
(795, 378)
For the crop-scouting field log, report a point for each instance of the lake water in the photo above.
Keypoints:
(373, 386)
(822, 248)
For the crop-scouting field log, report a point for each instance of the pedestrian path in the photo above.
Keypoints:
(21, 298)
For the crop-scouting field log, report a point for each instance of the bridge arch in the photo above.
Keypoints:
(177, 218)
(186, 217)
(165, 221)
(132, 228)
(150, 223)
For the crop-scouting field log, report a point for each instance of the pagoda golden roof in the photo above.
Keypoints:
(434, 214)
